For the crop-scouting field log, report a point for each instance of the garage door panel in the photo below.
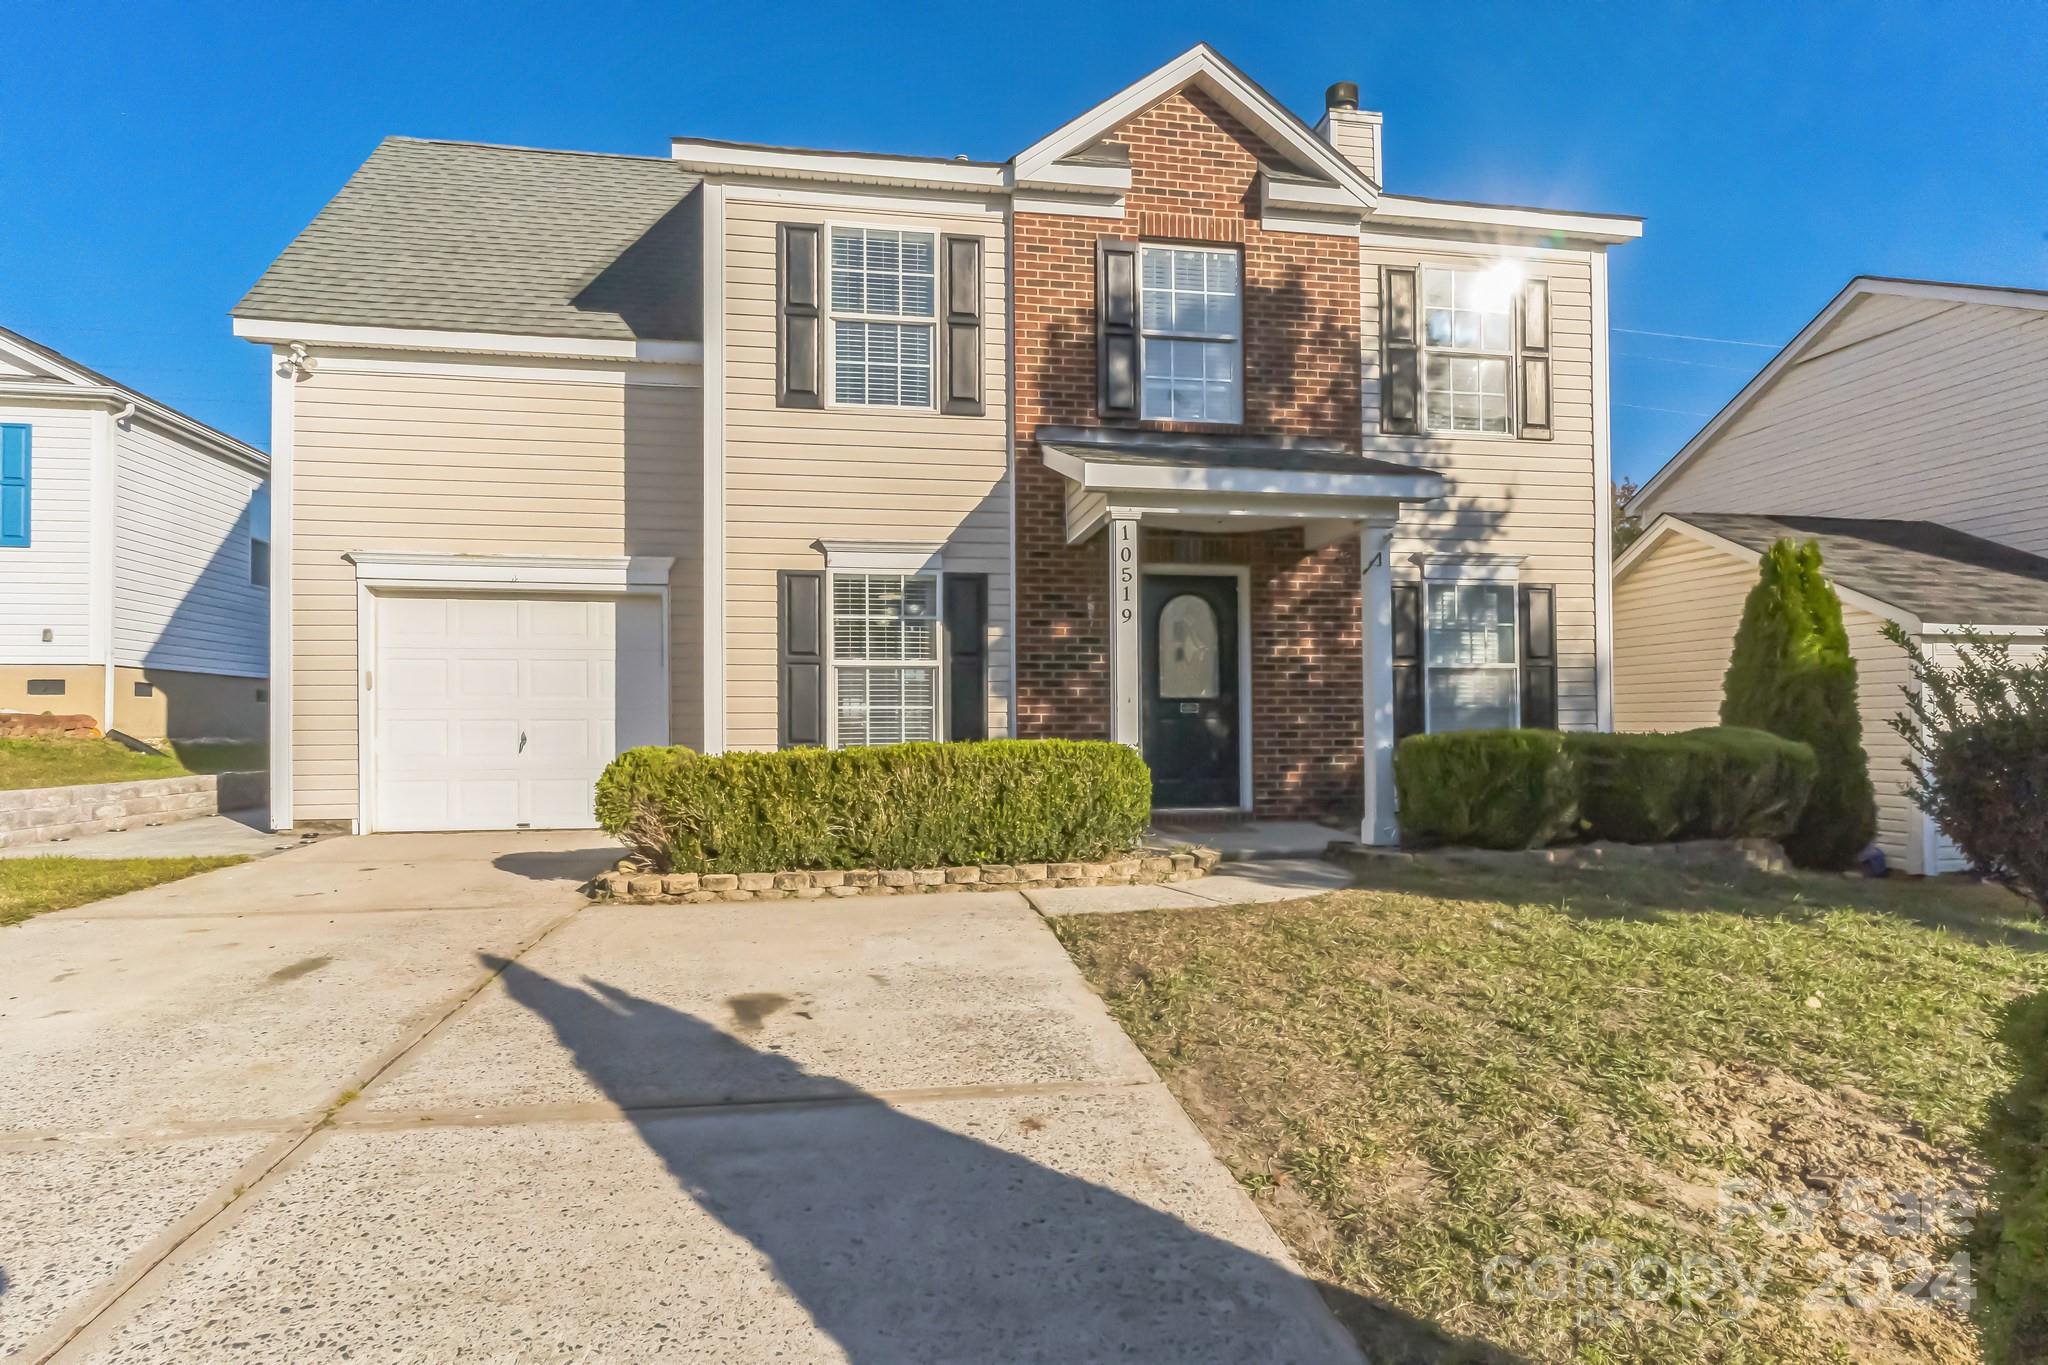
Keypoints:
(500, 712)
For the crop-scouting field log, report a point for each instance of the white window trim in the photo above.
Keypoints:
(1424, 350)
(1452, 571)
(912, 560)
(832, 316)
(1145, 337)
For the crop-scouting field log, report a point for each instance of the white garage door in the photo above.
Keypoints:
(499, 712)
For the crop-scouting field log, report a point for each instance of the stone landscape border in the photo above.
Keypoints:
(36, 815)
(633, 883)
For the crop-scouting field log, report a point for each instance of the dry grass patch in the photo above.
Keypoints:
(32, 886)
(1422, 1078)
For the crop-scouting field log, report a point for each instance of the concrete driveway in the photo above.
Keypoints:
(409, 1098)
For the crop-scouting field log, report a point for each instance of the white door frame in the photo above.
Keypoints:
(1243, 574)
(442, 575)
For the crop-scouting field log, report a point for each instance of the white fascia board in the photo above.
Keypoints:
(1073, 205)
(527, 573)
(1667, 525)
(1069, 175)
(1584, 227)
(279, 332)
(718, 158)
(1200, 65)
(884, 556)
(114, 396)
(1931, 629)
(1109, 477)
(1797, 347)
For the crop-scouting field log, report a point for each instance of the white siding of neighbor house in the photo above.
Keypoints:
(46, 584)
(1537, 499)
(794, 477)
(1676, 612)
(182, 595)
(1914, 408)
(420, 453)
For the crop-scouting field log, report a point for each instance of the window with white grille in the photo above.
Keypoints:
(885, 657)
(1473, 682)
(1190, 321)
(1467, 346)
(883, 299)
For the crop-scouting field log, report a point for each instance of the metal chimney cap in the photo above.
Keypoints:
(1342, 95)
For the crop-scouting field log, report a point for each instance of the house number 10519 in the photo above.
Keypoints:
(1126, 569)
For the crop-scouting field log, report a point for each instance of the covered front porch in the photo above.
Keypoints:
(1249, 637)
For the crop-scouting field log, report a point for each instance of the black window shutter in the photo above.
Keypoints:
(1400, 353)
(966, 656)
(1535, 349)
(799, 335)
(1116, 326)
(799, 658)
(1408, 713)
(961, 349)
(1538, 610)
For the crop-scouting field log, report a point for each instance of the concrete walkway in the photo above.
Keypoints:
(245, 833)
(407, 1097)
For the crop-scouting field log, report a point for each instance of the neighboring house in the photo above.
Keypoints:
(134, 559)
(1159, 431)
(1905, 429)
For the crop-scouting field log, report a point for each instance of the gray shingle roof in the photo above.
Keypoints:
(465, 237)
(1937, 573)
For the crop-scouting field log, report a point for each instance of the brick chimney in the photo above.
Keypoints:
(1354, 132)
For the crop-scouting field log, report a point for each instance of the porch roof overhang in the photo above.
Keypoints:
(1226, 483)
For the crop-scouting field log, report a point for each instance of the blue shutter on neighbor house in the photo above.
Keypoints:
(14, 481)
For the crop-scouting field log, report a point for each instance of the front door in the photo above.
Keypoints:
(1191, 695)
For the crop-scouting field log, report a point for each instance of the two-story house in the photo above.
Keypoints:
(134, 557)
(1904, 430)
(1175, 429)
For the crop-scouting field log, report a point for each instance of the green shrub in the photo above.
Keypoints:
(1486, 788)
(1726, 783)
(1978, 728)
(1792, 674)
(2009, 1246)
(894, 806)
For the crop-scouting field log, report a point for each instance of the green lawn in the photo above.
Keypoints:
(1563, 1070)
(30, 886)
(77, 762)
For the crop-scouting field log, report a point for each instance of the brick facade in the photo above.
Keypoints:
(1193, 171)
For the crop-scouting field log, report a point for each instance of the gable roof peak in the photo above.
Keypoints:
(1202, 67)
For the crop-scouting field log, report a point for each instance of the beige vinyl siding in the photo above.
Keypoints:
(794, 477)
(1904, 407)
(1538, 499)
(1675, 615)
(1676, 612)
(479, 459)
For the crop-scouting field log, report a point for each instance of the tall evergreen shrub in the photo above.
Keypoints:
(1792, 674)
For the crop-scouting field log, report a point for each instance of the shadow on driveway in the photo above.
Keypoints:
(907, 1241)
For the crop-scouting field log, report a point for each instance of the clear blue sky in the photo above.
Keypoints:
(153, 158)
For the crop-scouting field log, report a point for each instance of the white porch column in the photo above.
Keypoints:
(1125, 599)
(1376, 620)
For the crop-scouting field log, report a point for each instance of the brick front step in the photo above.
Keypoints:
(631, 883)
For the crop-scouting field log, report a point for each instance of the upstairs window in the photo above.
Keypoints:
(259, 539)
(1190, 320)
(1467, 347)
(884, 298)
(885, 657)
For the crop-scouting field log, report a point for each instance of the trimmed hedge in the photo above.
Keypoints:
(891, 806)
(1529, 788)
(2009, 1245)
(1719, 783)
(1487, 788)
